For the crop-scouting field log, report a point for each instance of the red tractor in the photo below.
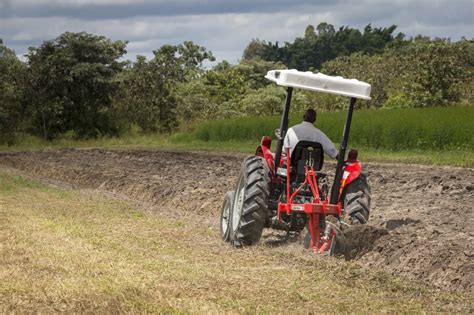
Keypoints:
(279, 191)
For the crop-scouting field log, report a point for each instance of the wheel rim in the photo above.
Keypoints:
(225, 218)
(238, 204)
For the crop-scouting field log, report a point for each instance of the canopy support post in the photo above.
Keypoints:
(283, 128)
(342, 153)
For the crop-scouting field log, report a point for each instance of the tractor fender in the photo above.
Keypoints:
(350, 172)
(263, 150)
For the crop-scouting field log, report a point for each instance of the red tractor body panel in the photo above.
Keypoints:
(351, 171)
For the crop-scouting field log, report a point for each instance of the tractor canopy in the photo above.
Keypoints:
(320, 82)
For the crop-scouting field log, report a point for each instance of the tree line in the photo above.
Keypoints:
(78, 83)
(324, 43)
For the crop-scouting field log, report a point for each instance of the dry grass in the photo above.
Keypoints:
(72, 251)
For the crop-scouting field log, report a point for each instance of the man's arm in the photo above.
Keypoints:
(328, 146)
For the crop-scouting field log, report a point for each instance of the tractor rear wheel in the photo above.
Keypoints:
(356, 200)
(226, 213)
(250, 205)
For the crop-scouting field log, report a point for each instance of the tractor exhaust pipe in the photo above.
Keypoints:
(283, 128)
(342, 154)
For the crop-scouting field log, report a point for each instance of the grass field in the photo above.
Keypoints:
(78, 251)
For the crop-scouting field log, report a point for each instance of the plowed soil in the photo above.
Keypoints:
(421, 224)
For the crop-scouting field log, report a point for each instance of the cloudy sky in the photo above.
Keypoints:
(223, 26)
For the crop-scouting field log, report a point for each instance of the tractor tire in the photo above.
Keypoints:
(250, 205)
(226, 213)
(356, 200)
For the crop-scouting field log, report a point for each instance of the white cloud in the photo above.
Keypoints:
(226, 26)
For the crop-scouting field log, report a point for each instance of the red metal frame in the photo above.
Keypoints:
(263, 150)
(315, 210)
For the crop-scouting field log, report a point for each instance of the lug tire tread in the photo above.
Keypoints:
(356, 200)
(255, 204)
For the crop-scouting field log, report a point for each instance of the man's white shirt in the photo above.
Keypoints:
(307, 132)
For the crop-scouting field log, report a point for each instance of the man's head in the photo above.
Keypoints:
(309, 115)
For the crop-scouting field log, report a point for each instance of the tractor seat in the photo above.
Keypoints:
(306, 153)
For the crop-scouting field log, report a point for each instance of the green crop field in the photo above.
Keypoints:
(441, 136)
(394, 129)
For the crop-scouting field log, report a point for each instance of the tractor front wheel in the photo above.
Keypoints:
(250, 205)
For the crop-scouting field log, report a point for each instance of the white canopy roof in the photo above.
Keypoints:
(320, 82)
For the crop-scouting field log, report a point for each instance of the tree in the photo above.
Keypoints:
(309, 32)
(419, 73)
(322, 44)
(435, 72)
(149, 89)
(378, 70)
(12, 72)
(325, 29)
(265, 101)
(71, 84)
(260, 49)
(226, 87)
(254, 71)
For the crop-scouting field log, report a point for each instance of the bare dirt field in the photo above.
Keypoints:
(421, 224)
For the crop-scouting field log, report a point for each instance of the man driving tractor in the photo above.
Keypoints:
(291, 192)
(306, 131)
